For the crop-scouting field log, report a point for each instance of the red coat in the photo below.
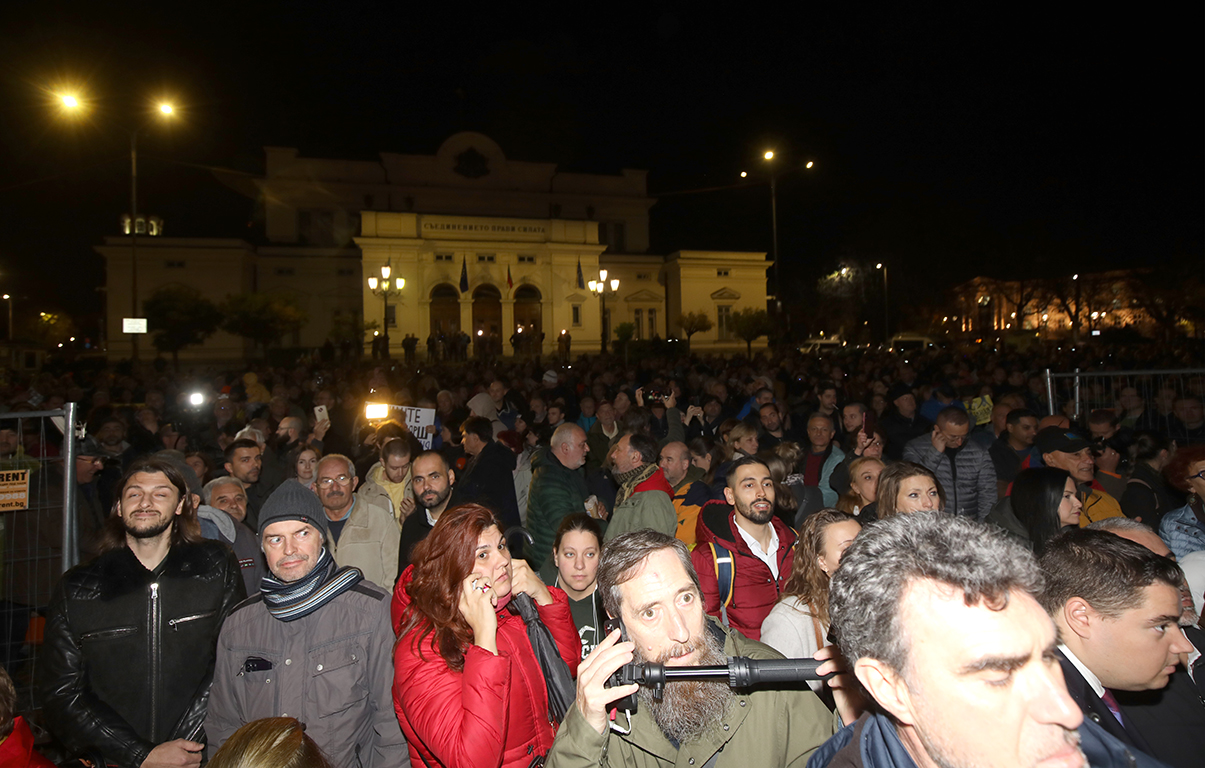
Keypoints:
(754, 588)
(495, 712)
(17, 750)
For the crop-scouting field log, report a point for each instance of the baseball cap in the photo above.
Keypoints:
(1054, 439)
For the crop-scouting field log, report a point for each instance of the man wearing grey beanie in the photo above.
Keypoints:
(313, 627)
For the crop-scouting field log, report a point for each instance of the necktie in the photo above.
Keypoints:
(1113, 706)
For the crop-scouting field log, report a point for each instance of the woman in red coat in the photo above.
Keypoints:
(467, 687)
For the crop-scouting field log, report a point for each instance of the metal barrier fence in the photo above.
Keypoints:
(38, 531)
(1157, 400)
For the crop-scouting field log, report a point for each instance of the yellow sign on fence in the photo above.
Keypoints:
(14, 490)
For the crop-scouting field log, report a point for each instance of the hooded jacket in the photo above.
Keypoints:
(495, 711)
(376, 488)
(649, 504)
(754, 588)
(482, 405)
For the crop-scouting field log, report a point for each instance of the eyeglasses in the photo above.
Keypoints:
(325, 482)
(1198, 476)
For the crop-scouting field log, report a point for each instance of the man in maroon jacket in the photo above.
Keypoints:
(760, 544)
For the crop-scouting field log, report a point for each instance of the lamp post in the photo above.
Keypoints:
(165, 110)
(600, 287)
(386, 288)
(9, 299)
(886, 304)
(769, 156)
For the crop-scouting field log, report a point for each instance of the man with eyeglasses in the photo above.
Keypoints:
(964, 469)
(361, 533)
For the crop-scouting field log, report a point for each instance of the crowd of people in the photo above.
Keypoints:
(256, 553)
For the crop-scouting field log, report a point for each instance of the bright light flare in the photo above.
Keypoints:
(196, 398)
(809, 165)
(69, 100)
(165, 108)
(372, 283)
(376, 411)
(744, 175)
(769, 154)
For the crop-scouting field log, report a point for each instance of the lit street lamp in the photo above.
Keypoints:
(385, 288)
(600, 287)
(769, 156)
(72, 103)
(886, 304)
(9, 299)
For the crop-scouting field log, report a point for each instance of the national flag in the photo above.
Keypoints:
(509, 283)
(464, 275)
(581, 281)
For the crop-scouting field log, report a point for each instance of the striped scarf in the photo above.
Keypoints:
(288, 601)
(630, 479)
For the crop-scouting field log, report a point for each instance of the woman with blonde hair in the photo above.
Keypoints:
(274, 742)
(798, 624)
(861, 498)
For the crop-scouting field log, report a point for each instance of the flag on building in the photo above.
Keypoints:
(509, 283)
(581, 281)
(464, 275)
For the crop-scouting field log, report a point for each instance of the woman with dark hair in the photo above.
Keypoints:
(1147, 497)
(1184, 529)
(576, 551)
(707, 455)
(201, 465)
(1045, 501)
(908, 487)
(467, 687)
(273, 742)
(797, 625)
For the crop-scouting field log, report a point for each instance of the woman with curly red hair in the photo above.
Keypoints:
(467, 687)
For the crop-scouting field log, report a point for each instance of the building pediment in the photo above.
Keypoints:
(643, 295)
(725, 294)
(575, 298)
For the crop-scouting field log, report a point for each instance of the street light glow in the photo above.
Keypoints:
(844, 270)
(743, 174)
(165, 108)
(69, 101)
(769, 155)
(879, 265)
(810, 164)
(385, 271)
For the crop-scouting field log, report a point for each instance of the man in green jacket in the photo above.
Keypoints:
(647, 580)
(558, 488)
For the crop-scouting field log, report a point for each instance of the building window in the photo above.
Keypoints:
(173, 265)
(285, 271)
(611, 234)
(443, 257)
(485, 258)
(554, 210)
(577, 315)
(527, 258)
(346, 271)
(638, 317)
(652, 323)
(721, 273)
(723, 316)
(391, 315)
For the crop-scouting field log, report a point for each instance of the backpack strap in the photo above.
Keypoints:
(725, 570)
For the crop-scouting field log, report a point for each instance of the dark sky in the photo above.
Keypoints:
(949, 141)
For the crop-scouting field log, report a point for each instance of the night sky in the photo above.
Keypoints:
(949, 142)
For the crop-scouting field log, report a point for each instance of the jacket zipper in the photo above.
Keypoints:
(153, 637)
(175, 623)
(108, 634)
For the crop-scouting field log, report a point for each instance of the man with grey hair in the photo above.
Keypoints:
(558, 488)
(646, 580)
(224, 505)
(361, 533)
(940, 618)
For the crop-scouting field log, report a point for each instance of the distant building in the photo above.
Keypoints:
(519, 231)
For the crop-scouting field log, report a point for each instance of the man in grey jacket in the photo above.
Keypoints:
(965, 470)
(314, 644)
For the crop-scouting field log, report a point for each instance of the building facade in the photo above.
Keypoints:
(526, 238)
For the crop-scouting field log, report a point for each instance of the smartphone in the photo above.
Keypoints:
(869, 423)
(320, 413)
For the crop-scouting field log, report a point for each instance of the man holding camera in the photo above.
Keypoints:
(647, 582)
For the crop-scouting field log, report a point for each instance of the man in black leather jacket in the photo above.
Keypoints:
(130, 637)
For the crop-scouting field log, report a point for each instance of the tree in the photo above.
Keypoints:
(692, 323)
(47, 330)
(180, 316)
(749, 324)
(261, 318)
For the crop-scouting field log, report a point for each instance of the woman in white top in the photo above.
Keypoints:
(798, 624)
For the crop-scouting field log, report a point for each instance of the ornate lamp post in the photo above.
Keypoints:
(601, 287)
(386, 288)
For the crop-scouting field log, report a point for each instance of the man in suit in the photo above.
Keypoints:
(1117, 608)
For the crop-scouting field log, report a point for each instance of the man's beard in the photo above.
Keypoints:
(689, 708)
(436, 498)
(148, 533)
(755, 516)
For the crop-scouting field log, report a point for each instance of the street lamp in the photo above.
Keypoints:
(9, 299)
(600, 287)
(886, 303)
(72, 103)
(386, 288)
(769, 156)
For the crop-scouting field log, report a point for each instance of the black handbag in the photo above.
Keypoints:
(561, 688)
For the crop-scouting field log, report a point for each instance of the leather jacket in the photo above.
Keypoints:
(128, 654)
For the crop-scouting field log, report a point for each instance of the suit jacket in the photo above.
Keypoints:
(1096, 710)
(1172, 719)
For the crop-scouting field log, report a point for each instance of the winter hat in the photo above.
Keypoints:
(550, 377)
(292, 501)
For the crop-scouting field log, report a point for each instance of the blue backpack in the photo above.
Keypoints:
(725, 571)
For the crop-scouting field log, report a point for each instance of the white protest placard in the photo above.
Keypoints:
(133, 325)
(417, 421)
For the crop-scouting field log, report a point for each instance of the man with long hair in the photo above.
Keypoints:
(129, 642)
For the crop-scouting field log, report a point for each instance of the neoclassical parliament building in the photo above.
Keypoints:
(485, 245)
